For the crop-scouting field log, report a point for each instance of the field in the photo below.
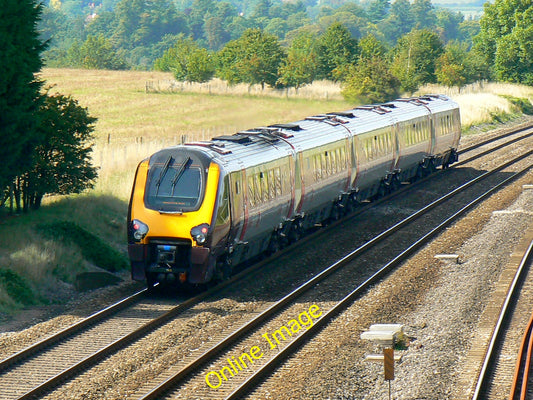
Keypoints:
(139, 113)
(133, 123)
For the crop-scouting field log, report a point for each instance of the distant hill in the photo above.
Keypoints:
(470, 9)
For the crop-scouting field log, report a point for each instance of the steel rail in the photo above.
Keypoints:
(502, 136)
(498, 331)
(152, 325)
(498, 147)
(70, 331)
(346, 301)
(119, 344)
(247, 327)
(521, 375)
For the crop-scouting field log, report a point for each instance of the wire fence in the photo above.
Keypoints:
(320, 90)
(120, 153)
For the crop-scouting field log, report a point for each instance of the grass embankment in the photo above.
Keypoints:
(44, 252)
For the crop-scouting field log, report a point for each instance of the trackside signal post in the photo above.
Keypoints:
(385, 335)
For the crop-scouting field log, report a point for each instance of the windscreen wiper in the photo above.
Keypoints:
(179, 173)
(162, 174)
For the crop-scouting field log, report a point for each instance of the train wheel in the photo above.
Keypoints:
(432, 167)
(295, 232)
(352, 203)
(336, 212)
(383, 189)
(395, 183)
(419, 173)
(275, 244)
(224, 270)
(151, 280)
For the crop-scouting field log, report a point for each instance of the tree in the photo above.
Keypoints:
(253, 58)
(377, 10)
(371, 81)
(371, 47)
(62, 163)
(144, 23)
(513, 61)
(506, 31)
(301, 65)
(187, 61)
(452, 66)
(337, 49)
(449, 24)
(414, 58)
(216, 32)
(97, 52)
(20, 96)
(399, 22)
(424, 14)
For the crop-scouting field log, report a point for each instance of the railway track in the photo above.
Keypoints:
(89, 357)
(234, 365)
(505, 370)
(521, 387)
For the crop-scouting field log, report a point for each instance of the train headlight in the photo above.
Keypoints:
(139, 228)
(199, 233)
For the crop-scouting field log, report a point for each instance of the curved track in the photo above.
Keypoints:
(522, 375)
(208, 376)
(46, 371)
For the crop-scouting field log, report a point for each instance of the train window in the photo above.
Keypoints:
(223, 205)
(264, 187)
(258, 189)
(277, 175)
(271, 184)
(371, 149)
(175, 182)
(251, 191)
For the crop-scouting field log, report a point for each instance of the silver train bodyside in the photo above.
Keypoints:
(275, 182)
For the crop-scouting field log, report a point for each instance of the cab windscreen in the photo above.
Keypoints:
(175, 182)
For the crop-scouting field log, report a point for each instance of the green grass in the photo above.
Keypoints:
(48, 248)
(522, 104)
(92, 247)
(16, 287)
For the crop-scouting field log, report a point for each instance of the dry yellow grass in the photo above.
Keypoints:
(140, 112)
(133, 122)
(481, 100)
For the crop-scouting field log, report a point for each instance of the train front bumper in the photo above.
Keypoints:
(169, 262)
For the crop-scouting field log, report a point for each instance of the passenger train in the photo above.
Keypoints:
(198, 209)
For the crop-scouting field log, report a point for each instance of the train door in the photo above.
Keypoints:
(296, 178)
(238, 206)
(395, 143)
(433, 133)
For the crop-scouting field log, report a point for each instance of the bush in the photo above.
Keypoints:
(92, 247)
(523, 104)
(16, 287)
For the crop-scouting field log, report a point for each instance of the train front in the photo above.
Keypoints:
(170, 217)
